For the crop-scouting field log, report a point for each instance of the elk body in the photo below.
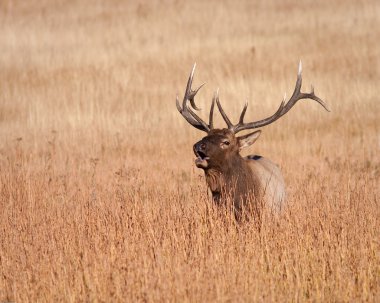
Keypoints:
(249, 182)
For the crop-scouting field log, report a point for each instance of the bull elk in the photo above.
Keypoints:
(245, 180)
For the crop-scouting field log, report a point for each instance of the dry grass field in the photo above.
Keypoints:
(100, 200)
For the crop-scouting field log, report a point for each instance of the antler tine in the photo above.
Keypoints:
(211, 118)
(198, 119)
(297, 95)
(188, 117)
(190, 94)
(242, 126)
(243, 113)
(225, 118)
(284, 106)
(191, 117)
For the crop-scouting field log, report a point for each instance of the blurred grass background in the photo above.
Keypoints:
(99, 195)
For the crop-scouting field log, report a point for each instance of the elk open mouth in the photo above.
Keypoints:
(201, 160)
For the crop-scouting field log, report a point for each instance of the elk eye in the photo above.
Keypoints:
(226, 142)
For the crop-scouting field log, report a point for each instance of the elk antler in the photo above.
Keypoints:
(282, 110)
(186, 111)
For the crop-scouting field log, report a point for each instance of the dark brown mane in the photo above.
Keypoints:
(235, 180)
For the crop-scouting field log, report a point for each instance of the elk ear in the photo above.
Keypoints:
(249, 139)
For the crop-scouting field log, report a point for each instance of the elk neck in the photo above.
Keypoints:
(234, 172)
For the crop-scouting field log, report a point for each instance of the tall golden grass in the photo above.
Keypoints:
(99, 197)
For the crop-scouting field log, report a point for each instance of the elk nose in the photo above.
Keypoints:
(199, 146)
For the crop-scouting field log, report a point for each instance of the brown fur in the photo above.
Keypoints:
(248, 182)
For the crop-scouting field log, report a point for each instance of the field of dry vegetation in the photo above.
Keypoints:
(100, 200)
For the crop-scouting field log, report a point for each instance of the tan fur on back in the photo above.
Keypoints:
(269, 181)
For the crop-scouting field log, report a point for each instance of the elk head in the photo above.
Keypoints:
(221, 146)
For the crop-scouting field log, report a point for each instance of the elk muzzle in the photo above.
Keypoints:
(200, 152)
